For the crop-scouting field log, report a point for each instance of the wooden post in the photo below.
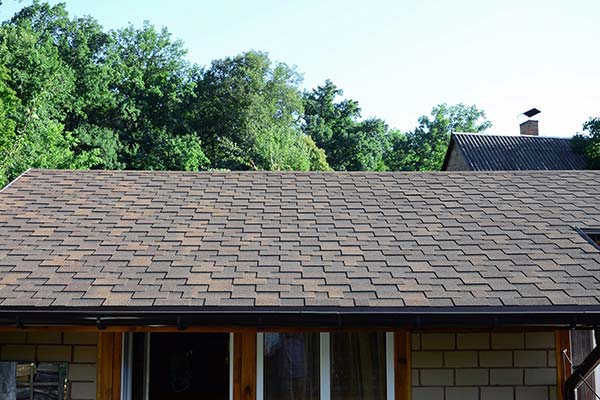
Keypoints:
(563, 367)
(403, 367)
(244, 365)
(108, 368)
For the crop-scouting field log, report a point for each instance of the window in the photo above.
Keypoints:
(582, 343)
(33, 381)
(177, 366)
(324, 366)
(358, 366)
(291, 366)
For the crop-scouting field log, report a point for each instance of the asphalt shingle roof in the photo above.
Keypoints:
(110, 238)
(516, 153)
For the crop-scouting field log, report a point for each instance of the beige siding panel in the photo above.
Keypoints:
(484, 366)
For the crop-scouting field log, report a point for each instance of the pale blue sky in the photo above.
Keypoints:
(400, 58)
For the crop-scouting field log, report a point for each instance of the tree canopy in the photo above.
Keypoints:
(73, 95)
(424, 148)
(588, 142)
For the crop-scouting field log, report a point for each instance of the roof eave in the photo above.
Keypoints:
(307, 317)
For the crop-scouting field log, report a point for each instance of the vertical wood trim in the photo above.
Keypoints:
(563, 368)
(108, 368)
(103, 368)
(244, 366)
(249, 366)
(402, 365)
(117, 365)
(237, 366)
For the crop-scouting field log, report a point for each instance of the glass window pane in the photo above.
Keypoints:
(189, 366)
(37, 381)
(358, 366)
(291, 366)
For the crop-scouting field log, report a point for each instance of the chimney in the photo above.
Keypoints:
(531, 126)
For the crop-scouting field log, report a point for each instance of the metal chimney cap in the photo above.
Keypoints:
(531, 113)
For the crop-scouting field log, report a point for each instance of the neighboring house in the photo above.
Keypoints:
(275, 286)
(481, 152)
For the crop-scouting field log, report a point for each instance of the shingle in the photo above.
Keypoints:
(107, 238)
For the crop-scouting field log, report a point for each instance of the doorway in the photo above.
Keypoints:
(177, 366)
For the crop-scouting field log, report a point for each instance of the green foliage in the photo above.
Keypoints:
(350, 144)
(83, 46)
(39, 88)
(99, 146)
(588, 143)
(152, 80)
(247, 112)
(73, 95)
(290, 151)
(424, 148)
(8, 107)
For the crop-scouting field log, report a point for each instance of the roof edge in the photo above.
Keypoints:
(485, 317)
(9, 184)
(495, 309)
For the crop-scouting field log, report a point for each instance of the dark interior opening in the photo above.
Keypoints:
(189, 366)
(592, 236)
(182, 366)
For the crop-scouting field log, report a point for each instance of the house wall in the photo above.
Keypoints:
(484, 366)
(445, 366)
(77, 348)
(456, 161)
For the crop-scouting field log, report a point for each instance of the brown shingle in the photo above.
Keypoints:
(116, 238)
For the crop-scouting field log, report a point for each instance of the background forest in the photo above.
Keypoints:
(73, 95)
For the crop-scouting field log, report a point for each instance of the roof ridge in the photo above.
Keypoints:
(510, 135)
(338, 173)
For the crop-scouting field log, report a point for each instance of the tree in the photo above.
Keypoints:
(39, 88)
(247, 112)
(8, 107)
(82, 46)
(424, 148)
(350, 145)
(73, 95)
(588, 143)
(152, 82)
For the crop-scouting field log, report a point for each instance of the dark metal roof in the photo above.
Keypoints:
(515, 153)
(89, 240)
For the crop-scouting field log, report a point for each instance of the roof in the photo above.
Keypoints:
(302, 241)
(515, 153)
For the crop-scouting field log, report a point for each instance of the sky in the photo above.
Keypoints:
(400, 58)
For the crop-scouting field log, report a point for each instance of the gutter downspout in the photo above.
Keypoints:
(583, 370)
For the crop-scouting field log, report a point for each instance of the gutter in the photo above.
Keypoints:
(322, 317)
(583, 370)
